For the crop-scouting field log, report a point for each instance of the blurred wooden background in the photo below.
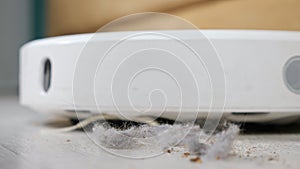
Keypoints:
(78, 16)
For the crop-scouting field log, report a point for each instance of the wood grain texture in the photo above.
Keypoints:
(24, 143)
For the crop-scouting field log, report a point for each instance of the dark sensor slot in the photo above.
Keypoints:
(47, 75)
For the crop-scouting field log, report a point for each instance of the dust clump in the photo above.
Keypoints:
(191, 139)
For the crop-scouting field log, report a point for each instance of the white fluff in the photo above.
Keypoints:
(165, 136)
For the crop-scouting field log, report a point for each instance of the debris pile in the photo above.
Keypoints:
(191, 138)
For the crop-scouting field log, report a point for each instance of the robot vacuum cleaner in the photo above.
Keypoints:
(242, 75)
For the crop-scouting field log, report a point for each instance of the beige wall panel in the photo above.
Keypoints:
(244, 14)
(75, 16)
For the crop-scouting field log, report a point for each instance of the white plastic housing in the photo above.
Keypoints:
(254, 64)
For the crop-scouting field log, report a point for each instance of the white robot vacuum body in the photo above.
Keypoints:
(164, 73)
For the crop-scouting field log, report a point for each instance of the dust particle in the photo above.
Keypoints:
(186, 154)
(196, 160)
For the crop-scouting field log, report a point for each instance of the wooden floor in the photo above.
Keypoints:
(24, 143)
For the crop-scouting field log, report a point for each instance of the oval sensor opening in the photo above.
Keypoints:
(47, 75)
(292, 74)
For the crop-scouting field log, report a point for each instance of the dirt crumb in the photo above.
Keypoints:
(186, 154)
(196, 160)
